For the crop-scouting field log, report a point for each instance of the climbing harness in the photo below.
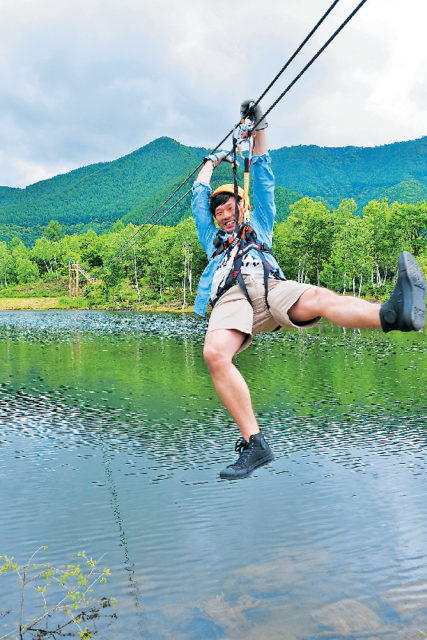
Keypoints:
(235, 249)
(244, 239)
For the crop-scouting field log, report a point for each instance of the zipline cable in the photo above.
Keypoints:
(296, 52)
(316, 55)
(280, 97)
(285, 66)
(124, 248)
(156, 221)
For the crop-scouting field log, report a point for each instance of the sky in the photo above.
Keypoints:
(84, 81)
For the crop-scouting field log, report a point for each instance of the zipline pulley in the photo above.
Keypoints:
(242, 137)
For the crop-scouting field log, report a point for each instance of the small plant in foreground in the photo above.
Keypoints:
(67, 591)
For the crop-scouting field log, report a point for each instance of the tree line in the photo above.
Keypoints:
(133, 186)
(338, 249)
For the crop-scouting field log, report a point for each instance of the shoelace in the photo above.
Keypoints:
(243, 448)
(241, 445)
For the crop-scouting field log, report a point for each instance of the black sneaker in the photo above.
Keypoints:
(253, 454)
(406, 308)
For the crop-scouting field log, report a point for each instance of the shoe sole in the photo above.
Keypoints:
(414, 292)
(258, 464)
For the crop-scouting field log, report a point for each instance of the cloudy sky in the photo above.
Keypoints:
(84, 81)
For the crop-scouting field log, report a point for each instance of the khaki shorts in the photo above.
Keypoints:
(233, 311)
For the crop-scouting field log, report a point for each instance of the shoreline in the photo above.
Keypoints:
(80, 304)
(47, 304)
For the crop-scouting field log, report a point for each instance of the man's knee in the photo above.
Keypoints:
(221, 345)
(215, 356)
(311, 304)
(317, 297)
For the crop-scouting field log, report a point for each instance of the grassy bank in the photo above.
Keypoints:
(41, 304)
(40, 289)
(9, 304)
(53, 295)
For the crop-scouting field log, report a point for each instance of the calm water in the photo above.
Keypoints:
(111, 440)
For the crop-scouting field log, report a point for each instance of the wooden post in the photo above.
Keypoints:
(74, 269)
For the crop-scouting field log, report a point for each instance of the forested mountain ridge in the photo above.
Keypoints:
(133, 186)
(100, 194)
(362, 173)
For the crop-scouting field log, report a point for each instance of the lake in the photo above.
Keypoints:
(111, 441)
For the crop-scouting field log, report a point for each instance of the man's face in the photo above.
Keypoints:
(225, 215)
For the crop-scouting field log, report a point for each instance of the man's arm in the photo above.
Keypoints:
(211, 162)
(205, 173)
(248, 109)
(206, 228)
(260, 143)
(263, 178)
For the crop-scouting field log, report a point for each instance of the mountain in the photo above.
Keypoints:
(406, 191)
(132, 187)
(362, 173)
(99, 194)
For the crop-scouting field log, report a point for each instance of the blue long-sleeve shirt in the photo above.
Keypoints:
(262, 221)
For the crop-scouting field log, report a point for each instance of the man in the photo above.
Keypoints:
(250, 305)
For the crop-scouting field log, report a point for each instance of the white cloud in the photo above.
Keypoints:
(18, 172)
(89, 80)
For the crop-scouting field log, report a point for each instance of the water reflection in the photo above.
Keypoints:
(73, 421)
(129, 565)
(111, 440)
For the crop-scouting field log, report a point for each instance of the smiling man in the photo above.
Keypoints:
(250, 294)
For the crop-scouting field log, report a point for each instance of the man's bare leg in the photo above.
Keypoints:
(220, 347)
(346, 311)
(405, 310)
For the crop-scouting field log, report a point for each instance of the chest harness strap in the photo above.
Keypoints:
(243, 240)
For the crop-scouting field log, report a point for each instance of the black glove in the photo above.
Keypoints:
(247, 110)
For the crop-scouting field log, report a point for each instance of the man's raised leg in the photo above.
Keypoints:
(346, 311)
(404, 311)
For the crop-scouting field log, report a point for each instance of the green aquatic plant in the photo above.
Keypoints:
(68, 591)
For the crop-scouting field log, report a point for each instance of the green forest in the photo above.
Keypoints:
(350, 251)
(133, 186)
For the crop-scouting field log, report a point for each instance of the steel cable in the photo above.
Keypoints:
(128, 243)
(316, 55)
(296, 52)
(124, 247)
